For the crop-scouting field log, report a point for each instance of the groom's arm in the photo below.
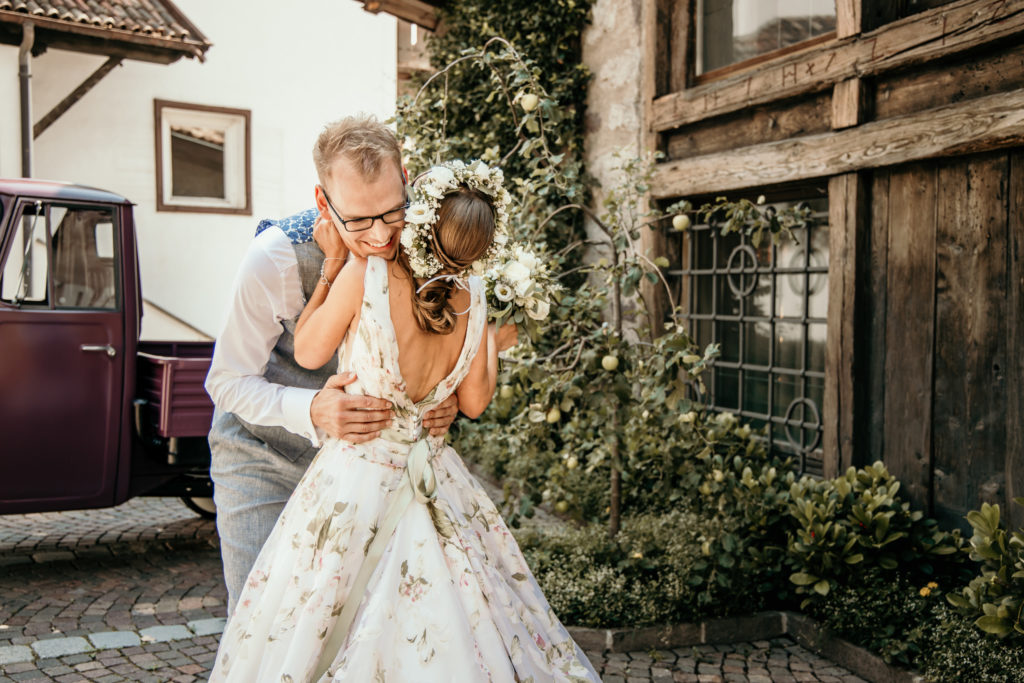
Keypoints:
(266, 291)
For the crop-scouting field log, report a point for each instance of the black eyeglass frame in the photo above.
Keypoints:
(381, 216)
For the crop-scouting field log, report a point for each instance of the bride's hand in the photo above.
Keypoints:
(330, 242)
(506, 336)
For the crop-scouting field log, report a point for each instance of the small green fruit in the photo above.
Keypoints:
(554, 415)
(610, 363)
(661, 262)
(680, 222)
(561, 507)
(529, 102)
(506, 391)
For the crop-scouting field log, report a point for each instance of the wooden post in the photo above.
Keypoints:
(848, 229)
(849, 18)
(1015, 343)
(910, 330)
(848, 102)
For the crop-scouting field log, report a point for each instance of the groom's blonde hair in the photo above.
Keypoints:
(363, 140)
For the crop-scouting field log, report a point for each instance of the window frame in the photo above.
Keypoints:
(722, 72)
(682, 274)
(242, 204)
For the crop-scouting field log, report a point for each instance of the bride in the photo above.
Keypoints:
(389, 562)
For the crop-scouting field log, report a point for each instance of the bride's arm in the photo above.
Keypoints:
(326, 319)
(477, 389)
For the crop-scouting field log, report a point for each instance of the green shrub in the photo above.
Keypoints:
(857, 522)
(956, 651)
(998, 592)
(650, 573)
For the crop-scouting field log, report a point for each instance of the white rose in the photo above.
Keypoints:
(503, 292)
(419, 213)
(515, 272)
(537, 309)
(442, 176)
(528, 259)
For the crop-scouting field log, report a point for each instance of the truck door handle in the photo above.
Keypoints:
(105, 348)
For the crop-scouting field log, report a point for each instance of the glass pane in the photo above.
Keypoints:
(735, 30)
(755, 392)
(82, 276)
(817, 292)
(703, 294)
(704, 334)
(26, 267)
(197, 162)
(727, 388)
(729, 336)
(816, 346)
(704, 250)
(728, 303)
(759, 303)
(757, 343)
(789, 343)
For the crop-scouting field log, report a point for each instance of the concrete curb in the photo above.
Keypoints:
(761, 626)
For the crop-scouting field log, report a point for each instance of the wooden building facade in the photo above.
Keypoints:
(893, 329)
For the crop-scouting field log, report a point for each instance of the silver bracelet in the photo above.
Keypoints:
(323, 278)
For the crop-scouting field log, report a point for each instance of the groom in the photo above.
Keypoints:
(271, 414)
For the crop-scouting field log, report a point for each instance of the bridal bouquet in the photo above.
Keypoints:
(520, 288)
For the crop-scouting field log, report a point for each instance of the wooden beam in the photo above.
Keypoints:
(848, 103)
(992, 122)
(920, 38)
(849, 18)
(76, 94)
(415, 11)
(1014, 370)
(848, 227)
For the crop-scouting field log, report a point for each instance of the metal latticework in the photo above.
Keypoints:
(767, 306)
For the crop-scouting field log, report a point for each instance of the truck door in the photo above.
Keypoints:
(61, 356)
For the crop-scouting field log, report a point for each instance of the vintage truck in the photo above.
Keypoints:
(89, 415)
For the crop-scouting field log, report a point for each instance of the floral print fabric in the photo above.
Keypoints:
(451, 599)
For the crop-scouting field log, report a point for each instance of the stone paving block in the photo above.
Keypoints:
(60, 647)
(207, 627)
(13, 654)
(115, 640)
(52, 556)
(162, 634)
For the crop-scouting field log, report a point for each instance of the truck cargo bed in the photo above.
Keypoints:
(170, 379)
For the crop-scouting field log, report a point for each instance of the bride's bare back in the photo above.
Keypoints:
(424, 358)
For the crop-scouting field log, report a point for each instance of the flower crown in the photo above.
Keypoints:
(428, 191)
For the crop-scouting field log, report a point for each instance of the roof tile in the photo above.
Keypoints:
(158, 18)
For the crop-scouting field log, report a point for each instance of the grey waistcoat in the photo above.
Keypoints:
(282, 368)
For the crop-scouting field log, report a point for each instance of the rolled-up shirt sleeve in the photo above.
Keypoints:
(266, 293)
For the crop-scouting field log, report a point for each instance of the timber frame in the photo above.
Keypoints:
(918, 94)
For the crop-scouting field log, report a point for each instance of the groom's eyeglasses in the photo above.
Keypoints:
(396, 215)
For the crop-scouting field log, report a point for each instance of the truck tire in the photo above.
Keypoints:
(205, 507)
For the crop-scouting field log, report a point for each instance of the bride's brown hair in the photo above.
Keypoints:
(461, 234)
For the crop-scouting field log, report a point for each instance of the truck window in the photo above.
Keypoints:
(80, 264)
(26, 266)
(83, 257)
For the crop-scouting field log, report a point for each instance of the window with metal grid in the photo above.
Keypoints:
(767, 307)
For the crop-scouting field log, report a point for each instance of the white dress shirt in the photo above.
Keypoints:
(267, 291)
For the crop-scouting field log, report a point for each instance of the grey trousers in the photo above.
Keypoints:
(251, 484)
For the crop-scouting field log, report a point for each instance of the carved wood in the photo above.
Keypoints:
(754, 126)
(924, 37)
(991, 122)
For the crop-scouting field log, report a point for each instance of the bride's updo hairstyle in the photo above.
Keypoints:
(461, 235)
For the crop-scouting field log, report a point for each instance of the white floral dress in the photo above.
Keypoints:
(451, 598)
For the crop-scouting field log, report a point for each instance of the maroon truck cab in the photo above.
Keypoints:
(89, 416)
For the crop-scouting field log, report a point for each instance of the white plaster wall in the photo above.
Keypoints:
(10, 113)
(296, 66)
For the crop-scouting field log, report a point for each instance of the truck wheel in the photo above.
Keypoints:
(204, 506)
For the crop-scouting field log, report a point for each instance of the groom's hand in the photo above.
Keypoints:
(355, 419)
(440, 418)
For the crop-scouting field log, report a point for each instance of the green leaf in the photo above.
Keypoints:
(803, 579)
(822, 587)
(994, 625)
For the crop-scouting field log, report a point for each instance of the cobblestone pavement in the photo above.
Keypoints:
(134, 593)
